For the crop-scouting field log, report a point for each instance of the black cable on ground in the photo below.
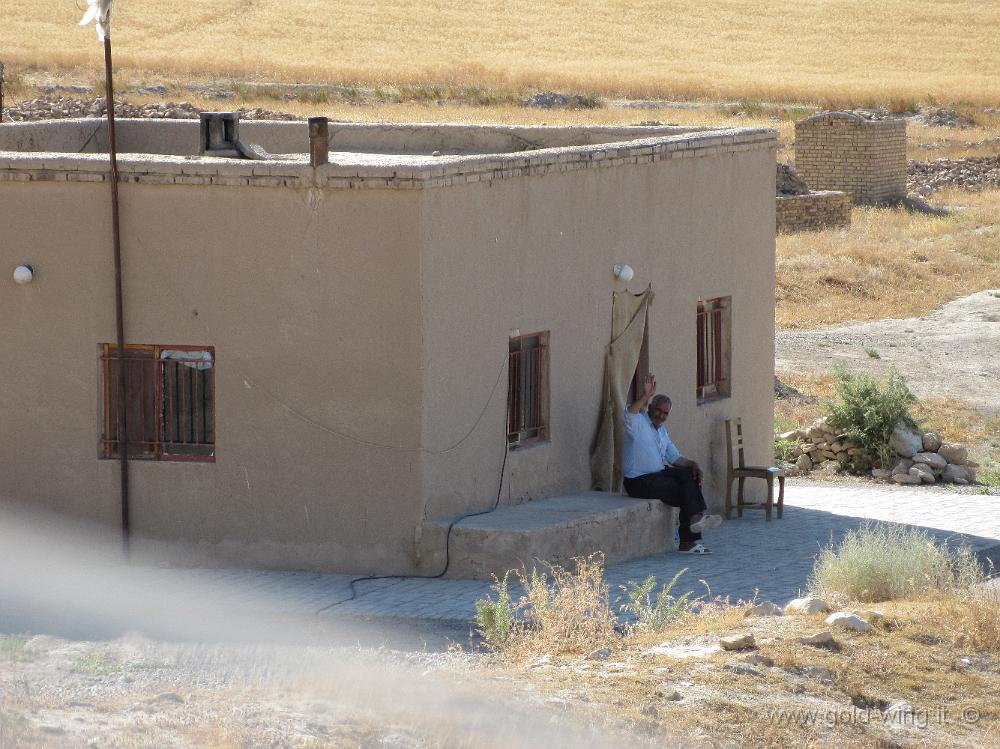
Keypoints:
(447, 540)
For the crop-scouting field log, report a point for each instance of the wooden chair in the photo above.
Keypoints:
(741, 472)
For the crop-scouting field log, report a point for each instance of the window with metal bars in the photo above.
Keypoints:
(170, 402)
(528, 389)
(714, 349)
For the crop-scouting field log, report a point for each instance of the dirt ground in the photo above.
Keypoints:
(953, 351)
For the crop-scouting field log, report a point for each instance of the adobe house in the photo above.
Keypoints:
(320, 356)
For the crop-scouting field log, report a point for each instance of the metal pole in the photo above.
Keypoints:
(1, 91)
(119, 304)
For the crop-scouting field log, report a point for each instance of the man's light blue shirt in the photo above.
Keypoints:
(647, 448)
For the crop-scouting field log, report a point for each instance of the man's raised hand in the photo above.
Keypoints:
(648, 387)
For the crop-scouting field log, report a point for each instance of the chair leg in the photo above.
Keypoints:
(770, 498)
(739, 497)
(781, 496)
(729, 497)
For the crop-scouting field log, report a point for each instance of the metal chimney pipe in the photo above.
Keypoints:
(319, 141)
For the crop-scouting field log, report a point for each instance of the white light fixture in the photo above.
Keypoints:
(624, 272)
(23, 274)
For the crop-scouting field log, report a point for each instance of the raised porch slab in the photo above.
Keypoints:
(549, 531)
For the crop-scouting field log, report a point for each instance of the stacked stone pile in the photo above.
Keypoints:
(789, 182)
(62, 107)
(922, 456)
(945, 118)
(818, 443)
(972, 173)
(925, 459)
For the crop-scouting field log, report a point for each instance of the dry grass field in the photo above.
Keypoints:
(815, 50)
(889, 263)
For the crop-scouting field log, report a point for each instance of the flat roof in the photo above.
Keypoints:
(361, 155)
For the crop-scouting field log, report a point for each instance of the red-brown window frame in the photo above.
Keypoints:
(153, 450)
(714, 360)
(528, 424)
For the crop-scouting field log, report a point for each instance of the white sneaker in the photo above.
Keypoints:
(697, 549)
(707, 523)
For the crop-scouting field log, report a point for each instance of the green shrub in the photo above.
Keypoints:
(495, 619)
(653, 614)
(989, 476)
(881, 562)
(866, 411)
(783, 450)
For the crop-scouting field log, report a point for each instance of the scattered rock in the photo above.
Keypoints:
(60, 107)
(823, 675)
(737, 642)
(972, 173)
(955, 474)
(942, 117)
(822, 639)
(667, 692)
(759, 659)
(51, 728)
(601, 654)
(789, 182)
(923, 473)
(931, 459)
(787, 392)
(767, 608)
(847, 620)
(804, 463)
(955, 454)
(905, 478)
(881, 474)
(899, 711)
(902, 467)
(931, 442)
(906, 441)
(553, 100)
(807, 605)
(743, 669)
(649, 711)
(872, 616)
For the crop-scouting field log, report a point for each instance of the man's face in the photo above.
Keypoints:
(659, 412)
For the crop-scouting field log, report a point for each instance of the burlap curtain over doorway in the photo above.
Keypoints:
(628, 325)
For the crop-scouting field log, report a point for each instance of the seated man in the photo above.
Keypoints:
(654, 468)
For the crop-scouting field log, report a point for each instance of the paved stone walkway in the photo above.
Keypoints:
(772, 560)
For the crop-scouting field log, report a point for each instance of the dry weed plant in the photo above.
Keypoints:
(562, 612)
(882, 561)
(970, 620)
(643, 49)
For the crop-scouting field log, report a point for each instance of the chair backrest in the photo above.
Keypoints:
(738, 424)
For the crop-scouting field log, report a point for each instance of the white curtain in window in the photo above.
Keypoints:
(193, 359)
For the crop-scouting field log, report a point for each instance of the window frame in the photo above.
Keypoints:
(518, 433)
(156, 450)
(715, 384)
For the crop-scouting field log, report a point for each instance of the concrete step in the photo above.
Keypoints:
(549, 531)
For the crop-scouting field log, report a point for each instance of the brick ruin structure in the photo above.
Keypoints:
(858, 155)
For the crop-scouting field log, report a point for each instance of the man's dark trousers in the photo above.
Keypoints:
(677, 488)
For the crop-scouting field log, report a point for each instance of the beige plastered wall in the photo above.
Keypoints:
(307, 297)
(361, 334)
(536, 254)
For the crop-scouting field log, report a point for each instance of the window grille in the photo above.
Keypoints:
(170, 409)
(528, 383)
(713, 377)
